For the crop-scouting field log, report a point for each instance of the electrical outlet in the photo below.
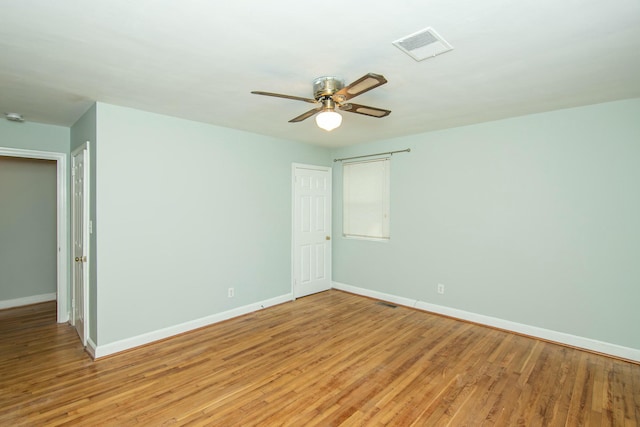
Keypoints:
(230, 292)
(440, 288)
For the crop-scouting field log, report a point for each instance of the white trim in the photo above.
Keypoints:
(62, 212)
(91, 348)
(149, 337)
(34, 299)
(532, 331)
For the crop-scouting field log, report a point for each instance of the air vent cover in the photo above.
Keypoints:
(423, 44)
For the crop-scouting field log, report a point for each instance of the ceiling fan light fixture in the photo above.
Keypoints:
(328, 120)
(330, 94)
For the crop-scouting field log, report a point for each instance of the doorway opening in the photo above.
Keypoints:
(62, 214)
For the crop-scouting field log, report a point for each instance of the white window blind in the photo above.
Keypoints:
(366, 198)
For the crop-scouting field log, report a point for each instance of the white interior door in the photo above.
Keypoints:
(311, 229)
(79, 236)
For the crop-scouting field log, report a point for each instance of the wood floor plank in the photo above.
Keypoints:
(329, 359)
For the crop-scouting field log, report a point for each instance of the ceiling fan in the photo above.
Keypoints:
(329, 93)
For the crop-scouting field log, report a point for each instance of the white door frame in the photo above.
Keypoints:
(86, 242)
(295, 166)
(62, 211)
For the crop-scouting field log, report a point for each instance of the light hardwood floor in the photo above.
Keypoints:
(328, 359)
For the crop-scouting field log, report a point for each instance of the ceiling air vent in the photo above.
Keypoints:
(423, 45)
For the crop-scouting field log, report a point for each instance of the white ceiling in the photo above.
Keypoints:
(199, 59)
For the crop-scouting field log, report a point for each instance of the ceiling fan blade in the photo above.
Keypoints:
(279, 95)
(364, 109)
(304, 116)
(363, 84)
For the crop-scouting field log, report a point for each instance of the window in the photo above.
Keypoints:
(366, 199)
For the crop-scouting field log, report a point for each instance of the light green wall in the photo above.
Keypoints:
(184, 211)
(34, 136)
(533, 220)
(84, 131)
(27, 228)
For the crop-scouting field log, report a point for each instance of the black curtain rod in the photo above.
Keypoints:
(408, 150)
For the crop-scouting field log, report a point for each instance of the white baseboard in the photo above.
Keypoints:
(137, 341)
(91, 348)
(19, 302)
(532, 331)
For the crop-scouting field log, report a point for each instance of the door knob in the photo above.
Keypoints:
(328, 238)
(77, 259)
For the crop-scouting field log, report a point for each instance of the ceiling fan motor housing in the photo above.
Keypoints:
(326, 86)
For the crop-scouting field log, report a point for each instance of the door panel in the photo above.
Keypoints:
(311, 229)
(320, 262)
(78, 305)
(305, 264)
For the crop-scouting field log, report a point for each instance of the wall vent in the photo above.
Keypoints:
(423, 44)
